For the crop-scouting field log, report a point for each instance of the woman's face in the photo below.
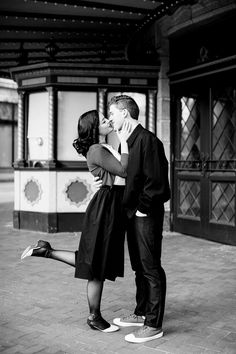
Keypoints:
(104, 125)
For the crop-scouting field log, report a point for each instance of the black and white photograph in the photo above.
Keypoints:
(118, 177)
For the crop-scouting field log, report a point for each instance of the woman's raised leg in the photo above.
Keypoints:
(44, 249)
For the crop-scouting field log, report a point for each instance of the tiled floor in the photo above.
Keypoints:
(44, 309)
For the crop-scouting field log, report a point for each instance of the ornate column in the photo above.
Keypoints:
(20, 132)
(101, 101)
(51, 127)
(152, 111)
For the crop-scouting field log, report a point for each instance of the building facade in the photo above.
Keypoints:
(187, 94)
(203, 120)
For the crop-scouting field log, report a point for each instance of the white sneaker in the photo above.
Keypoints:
(130, 320)
(144, 334)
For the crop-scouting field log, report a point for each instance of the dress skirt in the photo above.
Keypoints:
(101, 248)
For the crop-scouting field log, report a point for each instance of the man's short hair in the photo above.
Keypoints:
(126, 102)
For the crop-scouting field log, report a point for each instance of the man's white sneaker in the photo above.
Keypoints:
(144, 334)
(128, 321)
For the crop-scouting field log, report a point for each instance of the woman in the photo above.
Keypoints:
(101, 250)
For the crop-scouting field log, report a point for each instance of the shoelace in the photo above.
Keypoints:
(131, 316)
(143, 330)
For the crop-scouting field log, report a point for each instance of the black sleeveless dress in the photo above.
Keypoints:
(101, 249)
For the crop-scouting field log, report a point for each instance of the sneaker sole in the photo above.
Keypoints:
(27, 252)
(118, 322)
(132, 339)
(110, 329)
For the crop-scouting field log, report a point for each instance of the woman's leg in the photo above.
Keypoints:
(95, 319)
(44, 249)
(67, 257)
(94, 295)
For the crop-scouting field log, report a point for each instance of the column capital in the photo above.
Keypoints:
(50, 164)
(102, 90)
(21, 92)
(152, 92)
(50, 89)
(19, 164)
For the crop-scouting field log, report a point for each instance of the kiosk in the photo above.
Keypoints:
(52, 184)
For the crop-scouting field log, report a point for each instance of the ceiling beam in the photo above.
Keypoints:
(72, 41)
(12, 51)
(58, 30)
(167, 7)
(19, 16)
(96, 5)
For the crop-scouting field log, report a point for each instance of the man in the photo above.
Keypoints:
(147, 188)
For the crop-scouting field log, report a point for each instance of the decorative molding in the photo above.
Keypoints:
(138, 82)
(78, 192)
(52, 166)
(188, 16)
(79, 80)
(32, 191)
(216, 66)
(93, 70)
(34, 81)
(114, 81)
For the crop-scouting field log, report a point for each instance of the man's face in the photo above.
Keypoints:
(116, 116)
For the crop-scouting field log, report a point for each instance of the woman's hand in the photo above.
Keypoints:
(97, 182)
(125, 132)
(123, 135)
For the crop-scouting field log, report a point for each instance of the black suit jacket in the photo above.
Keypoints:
(147, 184)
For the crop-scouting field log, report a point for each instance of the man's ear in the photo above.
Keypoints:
(125, 113)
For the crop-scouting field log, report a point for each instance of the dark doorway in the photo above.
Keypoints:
(204, 166)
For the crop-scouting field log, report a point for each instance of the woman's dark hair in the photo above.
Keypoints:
(88, 132)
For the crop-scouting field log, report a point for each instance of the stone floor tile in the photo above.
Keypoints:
(44, 309)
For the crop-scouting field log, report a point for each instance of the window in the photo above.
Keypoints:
(71, 105)
(38, 126)
(8, 134)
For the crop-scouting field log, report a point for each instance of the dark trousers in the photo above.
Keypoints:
(144, 235)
